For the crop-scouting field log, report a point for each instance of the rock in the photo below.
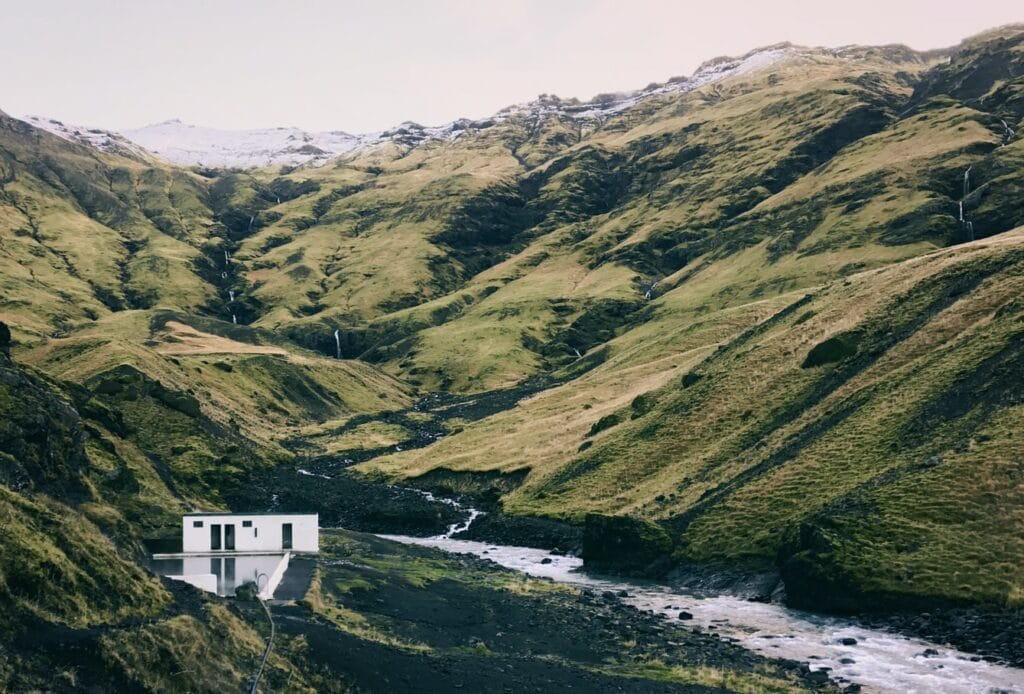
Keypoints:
(5, 339)
(627, 544)
(819, 676)
(545, 560)
(623, 594)
(684, 615)
(246, 592)
(847, 661)
(848, 641)
(930, 653)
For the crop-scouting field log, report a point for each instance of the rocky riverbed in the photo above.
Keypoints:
(966, 650)
(388, 616)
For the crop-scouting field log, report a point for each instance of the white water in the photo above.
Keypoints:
(234, 319)
(1008, 132)
(967, 181)
(961, 210)
(231, 295)
(337, 342)
(880, 661)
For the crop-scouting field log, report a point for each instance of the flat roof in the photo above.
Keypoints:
(255, 513)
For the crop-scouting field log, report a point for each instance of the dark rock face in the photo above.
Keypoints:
(626, 544)
(5, 339)
(812, 579)
(756, 584)
(129, 383)
(42, 442)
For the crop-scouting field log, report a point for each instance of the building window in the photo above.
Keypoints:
(246, 524)
(197, 524)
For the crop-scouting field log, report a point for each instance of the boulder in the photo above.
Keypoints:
(626, 544)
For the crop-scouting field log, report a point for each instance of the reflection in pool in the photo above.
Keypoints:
(225, 572)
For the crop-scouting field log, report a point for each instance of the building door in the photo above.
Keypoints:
(286, 536)
(229, 536)
(215, 536)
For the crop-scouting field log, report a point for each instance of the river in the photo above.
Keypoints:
(879, 661)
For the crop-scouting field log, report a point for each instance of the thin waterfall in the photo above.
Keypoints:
(1008, 132)
(231, 296)
(227, 258)
(961, 211)
(234, 319)
(578, 355)
(967, 181)
(337, 342)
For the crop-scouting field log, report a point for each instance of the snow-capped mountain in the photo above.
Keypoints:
(607, 105)
(188, 145)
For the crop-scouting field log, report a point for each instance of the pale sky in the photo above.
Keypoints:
(364, 66)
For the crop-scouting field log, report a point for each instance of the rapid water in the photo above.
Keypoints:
(879, 661)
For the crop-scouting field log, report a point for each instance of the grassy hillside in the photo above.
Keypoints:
(863, 428)
(779, 403)
(78, 612)
(775, 314)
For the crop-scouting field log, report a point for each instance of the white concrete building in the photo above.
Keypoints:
(248, 533)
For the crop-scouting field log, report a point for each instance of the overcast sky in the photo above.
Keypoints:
(363, 66)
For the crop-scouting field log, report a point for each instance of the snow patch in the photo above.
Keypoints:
(97, 138)
(190, 145)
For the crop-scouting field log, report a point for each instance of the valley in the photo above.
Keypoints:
(752, 338)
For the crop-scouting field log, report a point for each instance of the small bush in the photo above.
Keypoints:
(835, 348)
(606, 422)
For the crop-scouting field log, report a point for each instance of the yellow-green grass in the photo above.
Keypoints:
(664, 459)
(263, 391)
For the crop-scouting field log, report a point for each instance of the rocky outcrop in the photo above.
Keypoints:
(626, 544)
(41, 437)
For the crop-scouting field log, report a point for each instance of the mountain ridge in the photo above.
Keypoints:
(188, 144)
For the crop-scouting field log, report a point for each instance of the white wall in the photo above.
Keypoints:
(265, 535)
(231, 571)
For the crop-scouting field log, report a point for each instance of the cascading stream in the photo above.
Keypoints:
(877, 660)
(968, 225)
